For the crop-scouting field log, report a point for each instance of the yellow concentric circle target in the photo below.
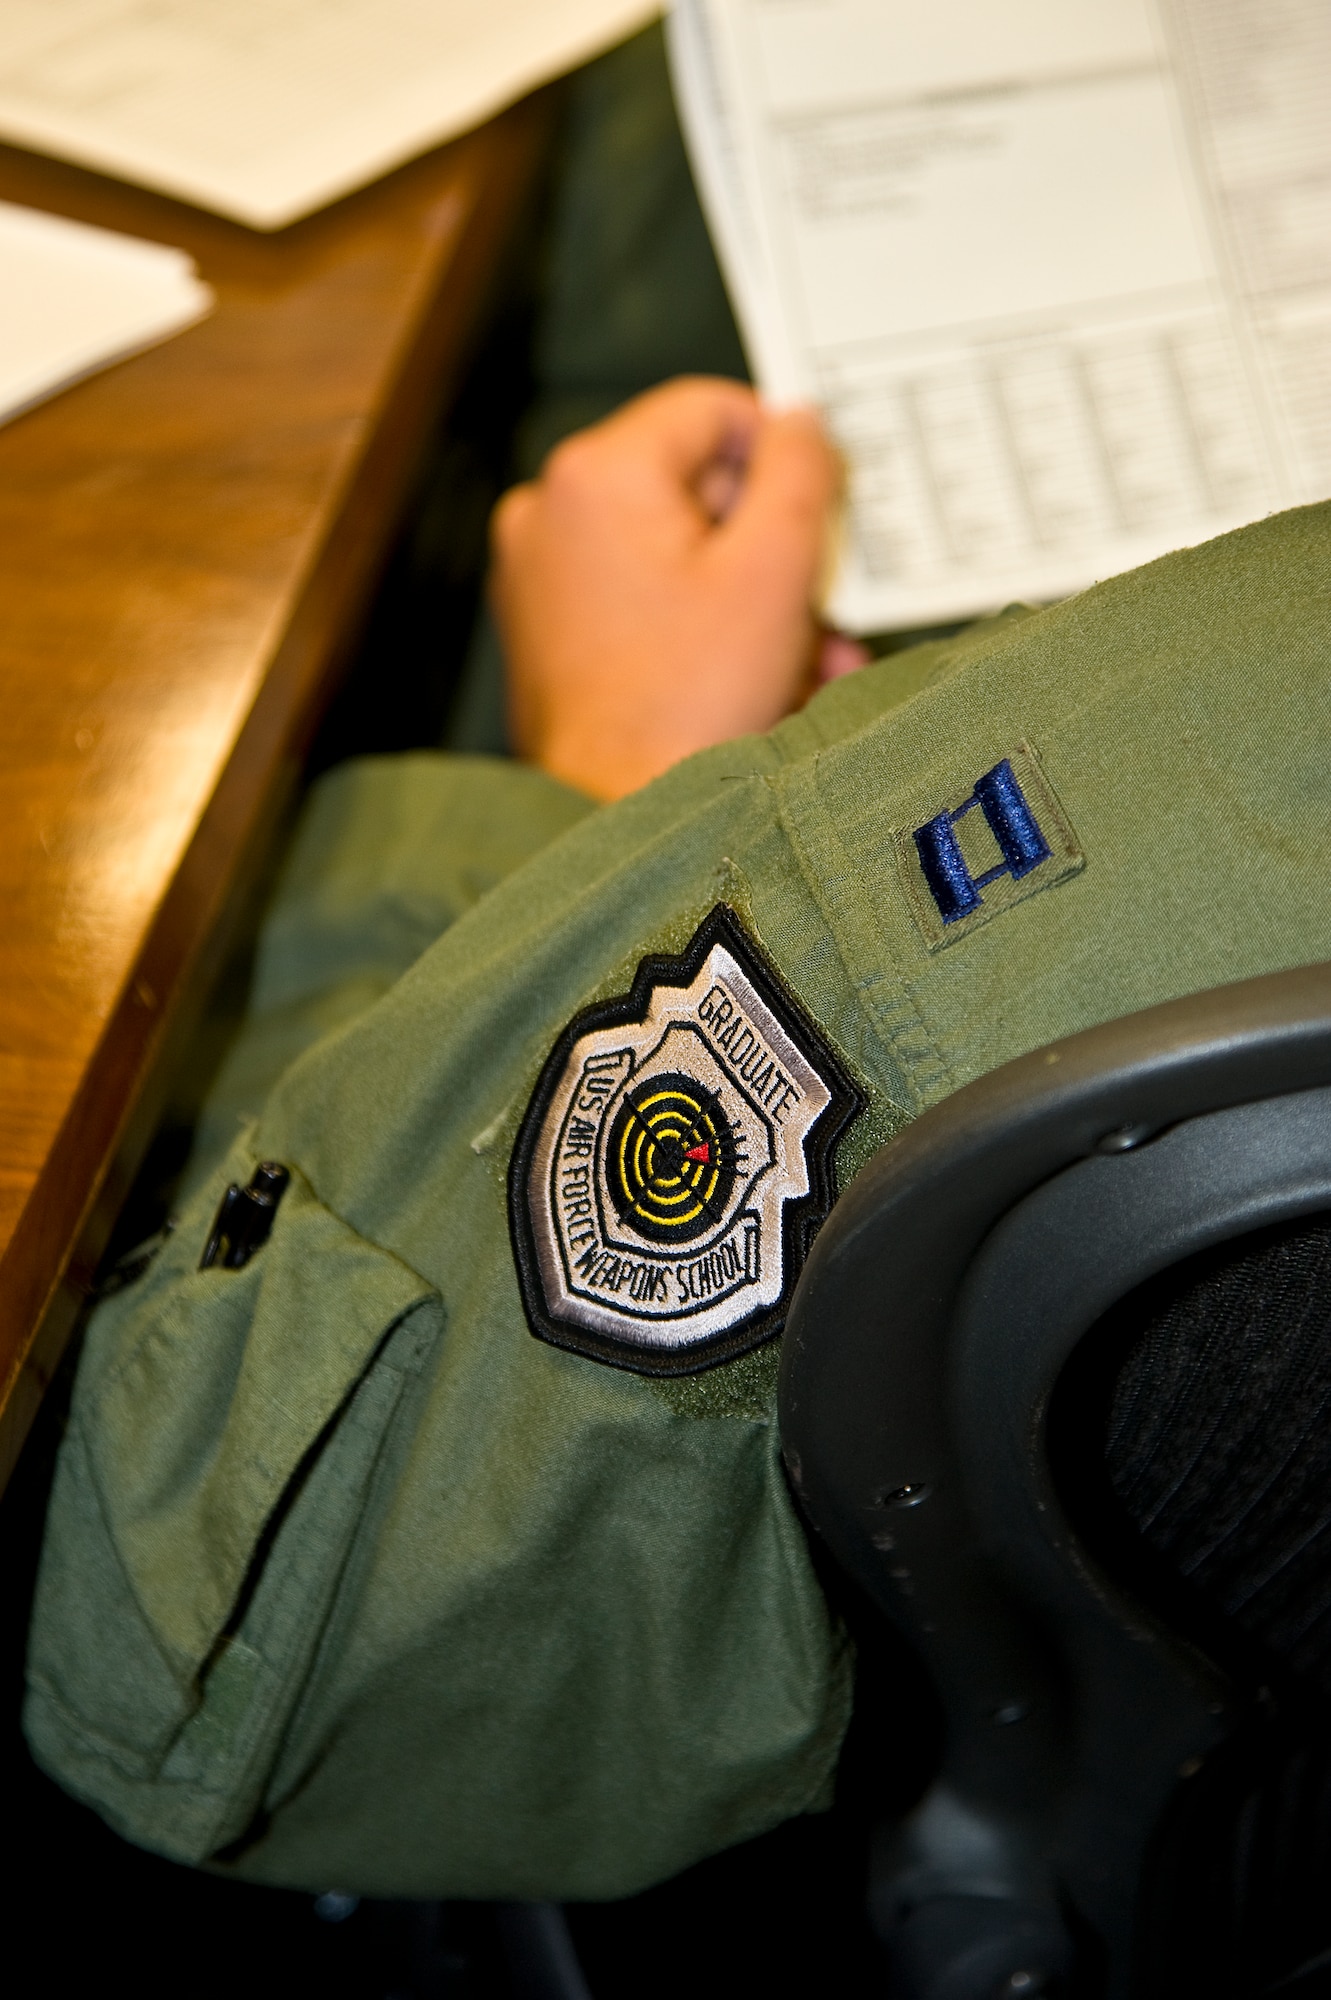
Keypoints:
(670, 1159)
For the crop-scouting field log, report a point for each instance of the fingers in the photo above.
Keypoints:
(675, 458)
(511, 512)
(679, 451)
(718, 487)
(839, 655)
(781, 519)
(687, 424)
(693, 441)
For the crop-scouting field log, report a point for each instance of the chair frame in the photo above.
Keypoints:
(936, 1313)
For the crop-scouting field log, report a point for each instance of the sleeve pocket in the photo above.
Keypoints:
(221, 1458)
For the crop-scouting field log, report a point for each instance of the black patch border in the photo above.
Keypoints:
(802, 1218)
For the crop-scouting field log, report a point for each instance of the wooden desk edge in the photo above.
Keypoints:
(46, 1272)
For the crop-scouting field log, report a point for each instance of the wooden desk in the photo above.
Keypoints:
(185, 545)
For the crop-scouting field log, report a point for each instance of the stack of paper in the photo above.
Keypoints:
(1058, 271)
(266, 109)
(77, 298)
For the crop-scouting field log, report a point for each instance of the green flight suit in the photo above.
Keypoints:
(351, 1581)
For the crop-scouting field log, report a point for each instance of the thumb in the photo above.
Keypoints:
(782, 517)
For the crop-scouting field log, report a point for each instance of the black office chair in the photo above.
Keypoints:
(1056, 1392)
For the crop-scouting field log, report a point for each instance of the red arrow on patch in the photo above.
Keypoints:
(698, 1153)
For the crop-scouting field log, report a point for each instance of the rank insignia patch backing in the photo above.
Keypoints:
(675, 1161)
(1004, 840)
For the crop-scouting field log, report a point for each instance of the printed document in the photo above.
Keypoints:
(1058, 272)
(266, 109)
(76, 299)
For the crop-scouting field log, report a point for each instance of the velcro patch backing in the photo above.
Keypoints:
(675, 1161)
(979, 853)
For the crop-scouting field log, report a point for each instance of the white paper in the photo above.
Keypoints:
(266, 109)
(1057, 271)
(73, 299)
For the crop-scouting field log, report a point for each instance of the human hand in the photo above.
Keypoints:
(655, 586)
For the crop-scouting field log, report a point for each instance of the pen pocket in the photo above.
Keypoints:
(227, 1438)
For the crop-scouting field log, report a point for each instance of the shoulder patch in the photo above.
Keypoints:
(1005, 839)
(675, 1161)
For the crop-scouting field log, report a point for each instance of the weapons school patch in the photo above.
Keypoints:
(675, 1161)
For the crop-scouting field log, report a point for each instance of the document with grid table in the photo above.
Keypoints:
(1057, 272)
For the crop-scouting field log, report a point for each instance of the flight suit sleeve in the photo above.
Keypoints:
(387, 853)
